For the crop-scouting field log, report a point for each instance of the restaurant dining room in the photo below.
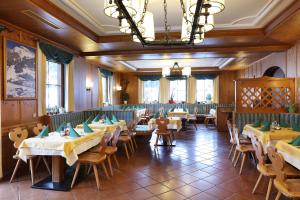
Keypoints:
(150, 99)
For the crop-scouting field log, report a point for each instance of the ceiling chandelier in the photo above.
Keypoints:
(176, 71)
(135, 19)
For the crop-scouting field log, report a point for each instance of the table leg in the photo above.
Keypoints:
(58, 169)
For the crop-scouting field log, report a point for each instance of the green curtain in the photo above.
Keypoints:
(149, 77)
(106, 73)
(176, 77)
(204, 76)
(54, 54)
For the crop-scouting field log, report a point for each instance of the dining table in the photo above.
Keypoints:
(63, 150)
(106, 127)
(270, 138)
(290, 153)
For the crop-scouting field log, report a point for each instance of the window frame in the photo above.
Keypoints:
(151, 87)
(212, 94)
(186, 90)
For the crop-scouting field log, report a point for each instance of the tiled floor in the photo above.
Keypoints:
(197, 168)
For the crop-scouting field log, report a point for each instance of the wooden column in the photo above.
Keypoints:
(58, 169)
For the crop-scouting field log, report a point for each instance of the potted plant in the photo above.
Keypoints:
(124, 93)
(292, 108)
(171, 101)
(208, 97)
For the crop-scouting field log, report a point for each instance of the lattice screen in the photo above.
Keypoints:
(264, 94)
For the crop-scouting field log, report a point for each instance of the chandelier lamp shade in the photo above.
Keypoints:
(136, 20)
(176, 71)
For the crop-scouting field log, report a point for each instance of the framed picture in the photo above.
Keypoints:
(19, 71)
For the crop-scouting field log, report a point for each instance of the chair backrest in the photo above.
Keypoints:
(17, 135)
(162, 125)
(103, 143)
(259, 150)
(212, 112)
(229, 126)
(116, 136)
(39, 127)
(196, 110)
(236, 135)
(131, 127)
(278, 163)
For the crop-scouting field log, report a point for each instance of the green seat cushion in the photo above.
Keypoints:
(265, 128)
(97, 118)
(256, 124)
(89, 120)
(284, 124)
(296, 127)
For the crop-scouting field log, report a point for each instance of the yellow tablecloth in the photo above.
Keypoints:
(290, 153)
(64, 146)
(178, 114)
(174, 123)
(105, 127)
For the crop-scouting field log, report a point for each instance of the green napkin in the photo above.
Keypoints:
(185, 109)
(296, 127)
(265, 128)
(114, 119)
(97, 118)
(295, 142)
(44, 132)
(73, 133)
(89, 120)
(60, 128)
(172, 109)
(156, 115)
(107, 121)
(256, 124)
(284, 124)
(266, 123)
(86, 128)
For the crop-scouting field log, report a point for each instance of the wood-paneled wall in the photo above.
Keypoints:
(132, 88)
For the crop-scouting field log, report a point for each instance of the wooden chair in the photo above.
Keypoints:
(17, 136)
(94, 159)
(286, 186)
(232, 140)
(162, 131)
(127, 140)
(244, 149)
(193, 117)
(37, 130)
(211, 117)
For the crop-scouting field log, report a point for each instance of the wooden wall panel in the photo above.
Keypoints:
(291, 62)
(132, 88)
(226, 86)
(116, 83)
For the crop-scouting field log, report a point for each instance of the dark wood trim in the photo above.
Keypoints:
(58, 13)
(194, 69)
(63, 69)
(282, 17)
(266, 48)
(177, 35)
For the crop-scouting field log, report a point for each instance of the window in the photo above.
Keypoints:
(178, 90)
(151, 91)
(54, 85)
(205, 90)
(106, 86)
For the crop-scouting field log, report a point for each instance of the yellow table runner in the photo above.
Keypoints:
(268, 136)
(106, 127)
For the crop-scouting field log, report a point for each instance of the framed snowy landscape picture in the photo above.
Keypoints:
(19, 71)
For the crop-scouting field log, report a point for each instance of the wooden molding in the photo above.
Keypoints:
(265, 48)
(58, 13)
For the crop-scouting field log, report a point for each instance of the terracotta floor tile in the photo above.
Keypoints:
(219, 192)
(202, 185)
(188, 190)
(174, 183)
(157, 188)
(203, 196)
(171, 195)
(140, 194)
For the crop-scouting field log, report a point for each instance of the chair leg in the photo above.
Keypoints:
(46, 163)
(15, 170)
(116, 160)
(75, 174)
(234, 155)
(230, 152)
(134, 141)
(131, 146)
(109, 164)
(269, 189)
(31, 170)
(243, 162)
(126, 150)
(105, 170)
(237, 159)
(278, 196)
(156, 142)
(96, 176)
(257, 183)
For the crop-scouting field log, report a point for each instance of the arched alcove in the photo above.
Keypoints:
(274, 71)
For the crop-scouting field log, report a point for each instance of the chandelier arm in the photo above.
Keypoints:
(166, 21)
(196, 19)
(144, 12)
(131, 22)
(183, 11)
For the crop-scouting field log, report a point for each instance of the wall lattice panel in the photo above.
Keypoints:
(264, 94)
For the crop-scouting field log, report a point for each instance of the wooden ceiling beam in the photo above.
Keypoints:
(211, 34)
(64, 17)
(194, 49)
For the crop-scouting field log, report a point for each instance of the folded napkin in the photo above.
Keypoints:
(61, 127)
(44, 132)
(114, 119)
(86, 128)
(97, 118)
(265, 128)
(89, 120)
(185, 110)
(172, 109)
(256, 124)
(296, 127)
(73, 133)
(284, 124)
(266, 123)
(156, 115)
(107, 121)
(295, 142)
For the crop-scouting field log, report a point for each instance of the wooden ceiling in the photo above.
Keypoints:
(245, 45)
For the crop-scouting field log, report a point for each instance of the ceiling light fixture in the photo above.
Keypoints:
(135, 19)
